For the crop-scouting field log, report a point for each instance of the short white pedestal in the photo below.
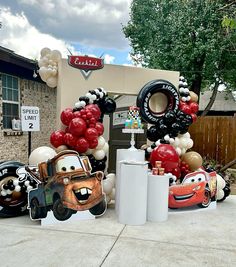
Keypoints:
(157, 203)
(125, 154)
(133, 193)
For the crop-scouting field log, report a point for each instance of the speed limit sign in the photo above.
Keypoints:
(30, 119)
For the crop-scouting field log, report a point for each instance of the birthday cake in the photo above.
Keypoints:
(133, 120)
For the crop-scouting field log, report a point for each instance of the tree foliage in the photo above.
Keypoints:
(186, 36)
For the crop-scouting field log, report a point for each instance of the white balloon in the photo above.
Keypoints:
(101, 142)
(107, 186)
(176, 143)
(54, 72)
(112, 178)
(220, 182)
(167, 137)
(113, 194)
(43, 72)
(108, 199)
(99, 154)
(41, 154)
(89, 151)
(185, 142)
(105, 147)
(45, 51)
(52, 81)
(17, 188)
(178, 150)
(186, 135)
(189, 143)
(41, 63)
(220, 194)
(183, 151)
(56, 55)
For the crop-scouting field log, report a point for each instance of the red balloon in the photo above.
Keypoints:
(93, 143)
(168, 156)
(186, 109)
(194, 107)
(90, 134)
(181, 104)
(77, 126)
(100, 128)
(94, 109)
(56, 138)
(69, 140)
(81, 145)
(77, 114)
(194, 117)
(176, 171)
(66, 116)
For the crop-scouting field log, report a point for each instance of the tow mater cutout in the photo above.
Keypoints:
(66, 186)
(197, 188)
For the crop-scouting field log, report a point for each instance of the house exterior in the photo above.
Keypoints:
(19, 88)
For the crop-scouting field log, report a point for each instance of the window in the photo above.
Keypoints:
(10, 99)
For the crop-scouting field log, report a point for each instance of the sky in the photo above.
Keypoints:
(84, 27)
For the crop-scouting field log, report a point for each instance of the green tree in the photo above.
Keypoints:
(186, 36)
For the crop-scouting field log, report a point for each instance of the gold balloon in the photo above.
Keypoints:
(193, 159)
(61, 148)
(194, 97)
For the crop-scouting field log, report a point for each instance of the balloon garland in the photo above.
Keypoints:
(84, 127)
(171, 125)
(48, 66)
(169, 132)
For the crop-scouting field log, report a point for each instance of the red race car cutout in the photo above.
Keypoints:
(197, 188)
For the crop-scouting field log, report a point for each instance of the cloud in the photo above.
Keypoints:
(108, 59)
(92, 23)
(18, 35)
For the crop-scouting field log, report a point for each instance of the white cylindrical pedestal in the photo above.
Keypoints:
(133, 193)
(125, 154)
(157, 203)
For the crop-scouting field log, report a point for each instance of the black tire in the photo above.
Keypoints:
(99, 209)
(145, 94)
(34, 209)
(207, 199)
(7, 169)
(60, 212)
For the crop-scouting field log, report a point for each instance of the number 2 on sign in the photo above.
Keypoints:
(31, 125)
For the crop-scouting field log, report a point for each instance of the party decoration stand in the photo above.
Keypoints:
(133, 131)
(133, 193)
(157, 203)
(136, 155)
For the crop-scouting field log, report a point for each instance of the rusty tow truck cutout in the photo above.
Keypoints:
(65, 186)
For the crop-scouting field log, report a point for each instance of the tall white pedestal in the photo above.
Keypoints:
(128, 155)
(133, 193)
(158, 192)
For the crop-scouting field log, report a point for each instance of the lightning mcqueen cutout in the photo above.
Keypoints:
(197, 188)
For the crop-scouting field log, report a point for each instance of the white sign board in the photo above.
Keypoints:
(30, 119)
(119, 117)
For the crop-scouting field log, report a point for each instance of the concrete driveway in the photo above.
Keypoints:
(204, 238)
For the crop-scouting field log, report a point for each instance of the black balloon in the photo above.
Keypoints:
(85, 99)
(169, 117)
(152, 134)
(109, 106)
(153, 145)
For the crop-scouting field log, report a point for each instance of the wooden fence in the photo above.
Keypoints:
(215, 138)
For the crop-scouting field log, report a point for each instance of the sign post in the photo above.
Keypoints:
(30, 122)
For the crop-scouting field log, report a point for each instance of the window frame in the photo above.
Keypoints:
(4, 101)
